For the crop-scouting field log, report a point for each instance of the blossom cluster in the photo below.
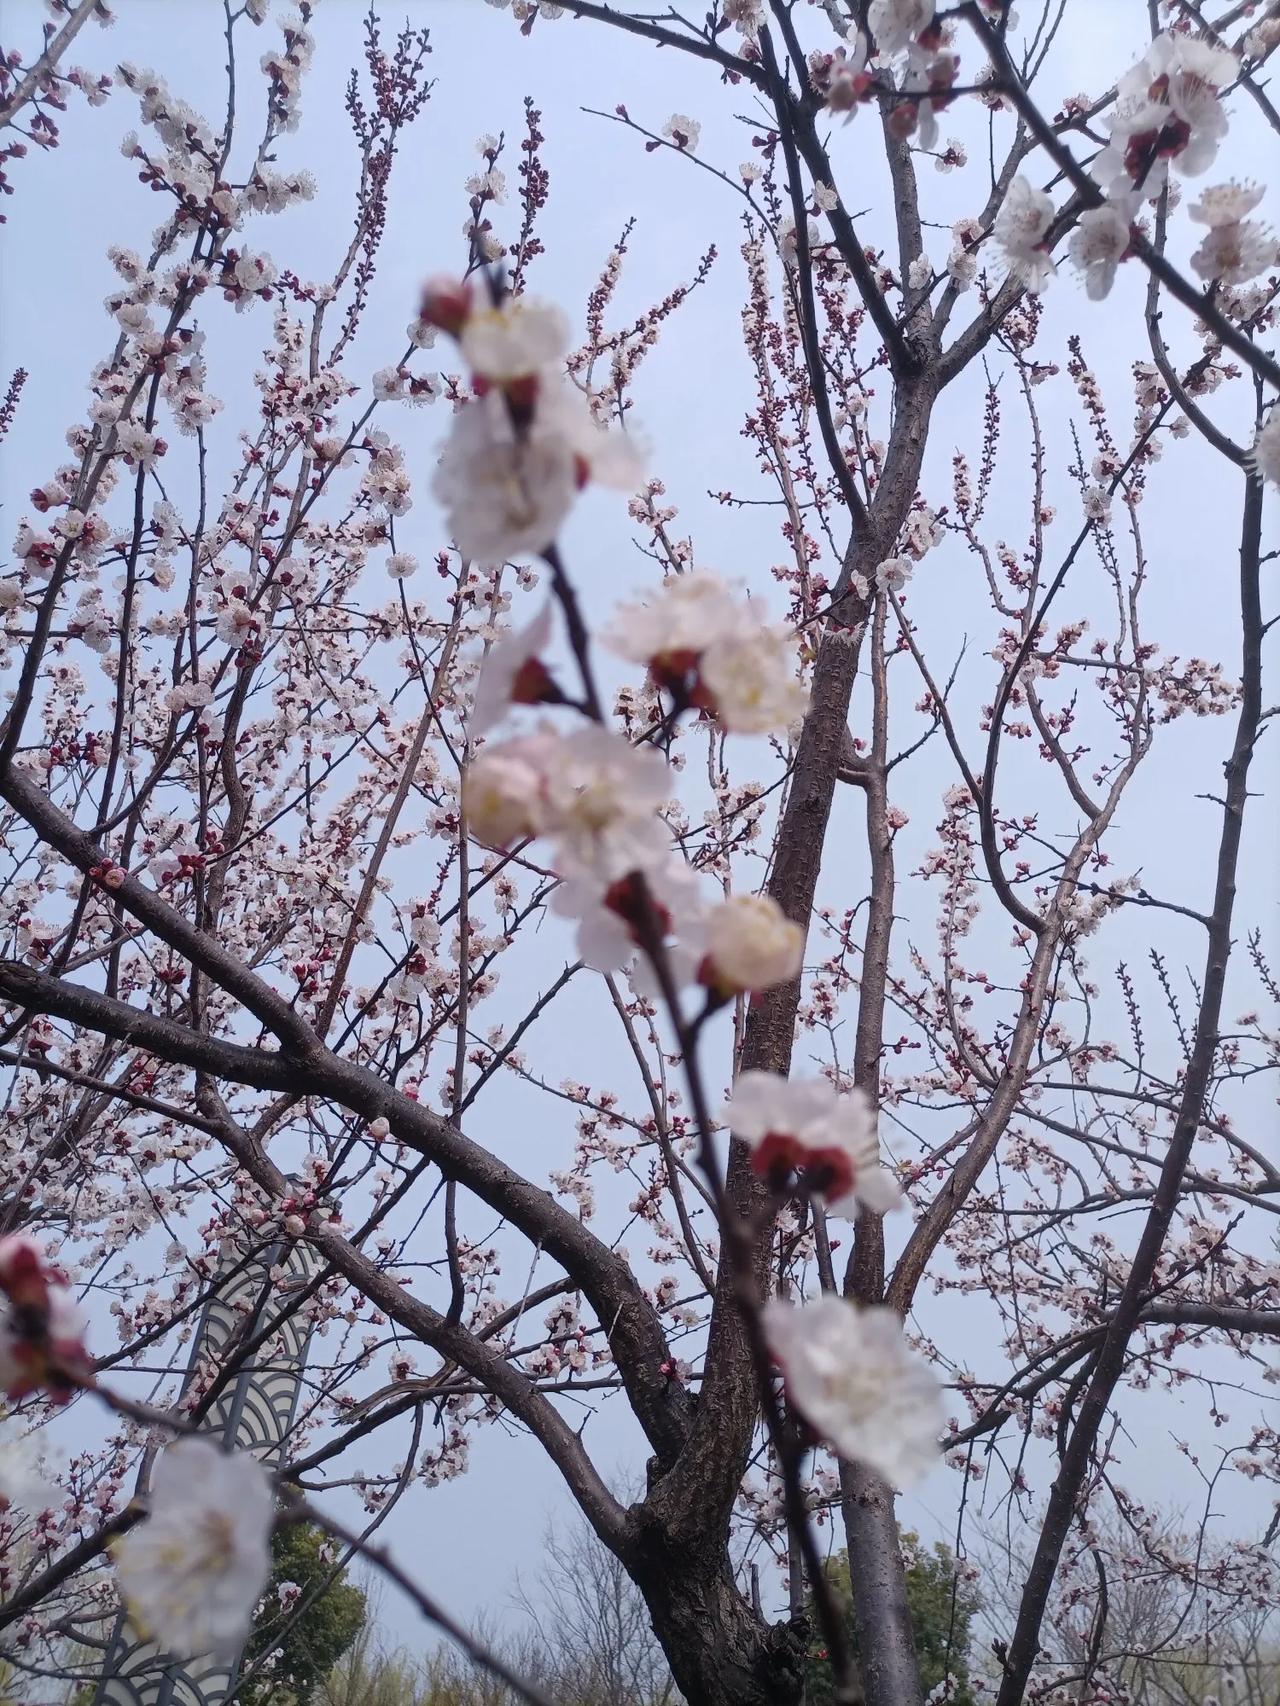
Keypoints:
(258, 840)
(908, 50)
(596, 796)
(193, 1570)
(712, 651)
(526, 442)
(1168, 114)
(798, 1127)
(598, 799)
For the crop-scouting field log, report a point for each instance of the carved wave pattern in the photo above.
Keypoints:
(255, 1413)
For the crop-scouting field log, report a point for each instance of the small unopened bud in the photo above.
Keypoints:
(446, 303)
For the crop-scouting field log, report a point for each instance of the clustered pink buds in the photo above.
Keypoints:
(306, 1208)
(41, 1326)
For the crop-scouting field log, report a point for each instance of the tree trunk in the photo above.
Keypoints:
(721, 1652)
(886, 1640)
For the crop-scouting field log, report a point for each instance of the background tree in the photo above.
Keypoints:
(308, 1620)
(1139, 1608)
(589, 1632)
(943, 1602)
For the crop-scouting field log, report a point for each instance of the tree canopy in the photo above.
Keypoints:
(308, 1620)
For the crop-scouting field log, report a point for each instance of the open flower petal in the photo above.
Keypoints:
(854, 1379)
(192, 1572)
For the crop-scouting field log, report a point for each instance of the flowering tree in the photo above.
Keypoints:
(272, 830)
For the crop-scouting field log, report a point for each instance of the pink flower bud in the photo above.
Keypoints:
(446, 303)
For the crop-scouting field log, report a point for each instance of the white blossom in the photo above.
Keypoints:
(238, 624)
(1099, 243)
(895, 24)
(683, 131)
(505, 494)
(893, 574)
(751, 945)
(1234, 254)
(512, 673)
(1225, 204)
(490, 185)
(603, 796)
(683, 617)
(788, 247)
(507, 487)
(193, 1570)
(962, 266)
(1196, 70)
(746, 14)
(22, 1482)
(502, 790)
(612, 918)
(1264, 457)
(389, 384)
(842, 80)
(1020, 229)
(852, 1376)
(1167, 112)
(700, 641)
(602, 456)
(1236, 249)
(518, 338)
(749, 676)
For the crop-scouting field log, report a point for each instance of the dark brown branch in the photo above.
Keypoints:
(627, 1316)
(650, 31)
(1110, 1361)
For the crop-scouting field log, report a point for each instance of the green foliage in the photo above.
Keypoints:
(942, 1609)
(307, 1641)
